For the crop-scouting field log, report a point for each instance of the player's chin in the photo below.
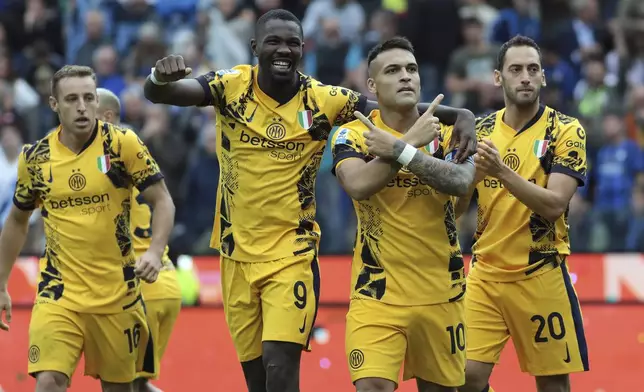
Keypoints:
(282, 73)
(405, 100)
(525, 99)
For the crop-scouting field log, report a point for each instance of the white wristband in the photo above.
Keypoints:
(407, 155)
(154, 80)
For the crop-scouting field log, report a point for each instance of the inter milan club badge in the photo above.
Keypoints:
(305, 118)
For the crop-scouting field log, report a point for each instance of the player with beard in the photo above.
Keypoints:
(529, 163)
(272, 126)
(89, 300)
(408, 273)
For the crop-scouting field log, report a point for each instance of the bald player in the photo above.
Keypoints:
(162, 298)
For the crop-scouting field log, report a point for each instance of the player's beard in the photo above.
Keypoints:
(521, 99)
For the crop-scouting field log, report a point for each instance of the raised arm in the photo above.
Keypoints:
(361, 178)
(445, 176)
(462, 119)
(567, 173)
(167, 84)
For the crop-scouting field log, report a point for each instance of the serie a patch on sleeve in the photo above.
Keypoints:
(452, 154)
(343, 135)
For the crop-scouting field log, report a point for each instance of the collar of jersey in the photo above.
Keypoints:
(510, 131)
(265, 97)
(377, 121)
(62, 149)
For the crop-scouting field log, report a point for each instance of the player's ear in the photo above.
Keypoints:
(497, 78)
(543, 79)
(371, 85)
(53, 104)
(253, 46)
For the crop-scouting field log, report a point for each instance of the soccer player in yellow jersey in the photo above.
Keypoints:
(272, 127)
(409, 280)
(529, 164)
(163, 297)
(89, 297)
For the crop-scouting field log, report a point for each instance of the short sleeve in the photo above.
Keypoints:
(346, 143)
(340, 103)
(570, 152)
(214, 85)
(25, 196)
(140, 165)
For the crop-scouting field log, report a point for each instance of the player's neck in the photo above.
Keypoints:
(281, 92)
(400, 120)
(517, 117)
(75, 142)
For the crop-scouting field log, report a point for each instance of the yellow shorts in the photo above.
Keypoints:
(541, 314)
(116, 346)
(430, 339)
(270, 301)
(161, 315)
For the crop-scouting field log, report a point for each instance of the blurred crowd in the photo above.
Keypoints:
(593, 54)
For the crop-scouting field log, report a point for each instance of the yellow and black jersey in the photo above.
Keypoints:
(269, 155)
(512, 242)
(88, 265)
(166, 285)
(406, 250)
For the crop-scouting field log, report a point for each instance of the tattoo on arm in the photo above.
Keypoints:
(445, 177)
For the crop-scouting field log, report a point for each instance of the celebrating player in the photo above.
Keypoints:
(408, 271)
(273, 123)
(529, 165)
(89, 297)
(163, 297)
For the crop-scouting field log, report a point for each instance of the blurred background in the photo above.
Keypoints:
(593, 54)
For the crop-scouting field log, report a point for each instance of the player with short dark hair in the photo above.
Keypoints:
(529, 163)
(89, 300)
(407, 301)
(163, 297)
(272, 126)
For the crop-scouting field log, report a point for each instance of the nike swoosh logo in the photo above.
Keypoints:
(567, 359)
(303, 325)
(51, 178)
(252, 115)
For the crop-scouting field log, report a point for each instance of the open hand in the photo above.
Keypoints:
(487, 160)
(379, 143)
(171, 68)
(426, 128)
(147, 267)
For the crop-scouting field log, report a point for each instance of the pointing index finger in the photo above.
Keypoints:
(432, 106)
(364, 120)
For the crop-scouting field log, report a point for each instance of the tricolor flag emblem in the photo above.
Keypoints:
(103, 163)
(432, 147)
(305, 118)
(540, 147)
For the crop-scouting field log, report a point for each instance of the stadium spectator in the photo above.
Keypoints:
(122, 38)
(470, 74)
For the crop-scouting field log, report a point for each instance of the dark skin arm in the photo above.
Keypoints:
(177, 91)
(462, 119)
(185, 92)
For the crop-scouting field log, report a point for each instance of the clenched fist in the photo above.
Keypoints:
(171, 69)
